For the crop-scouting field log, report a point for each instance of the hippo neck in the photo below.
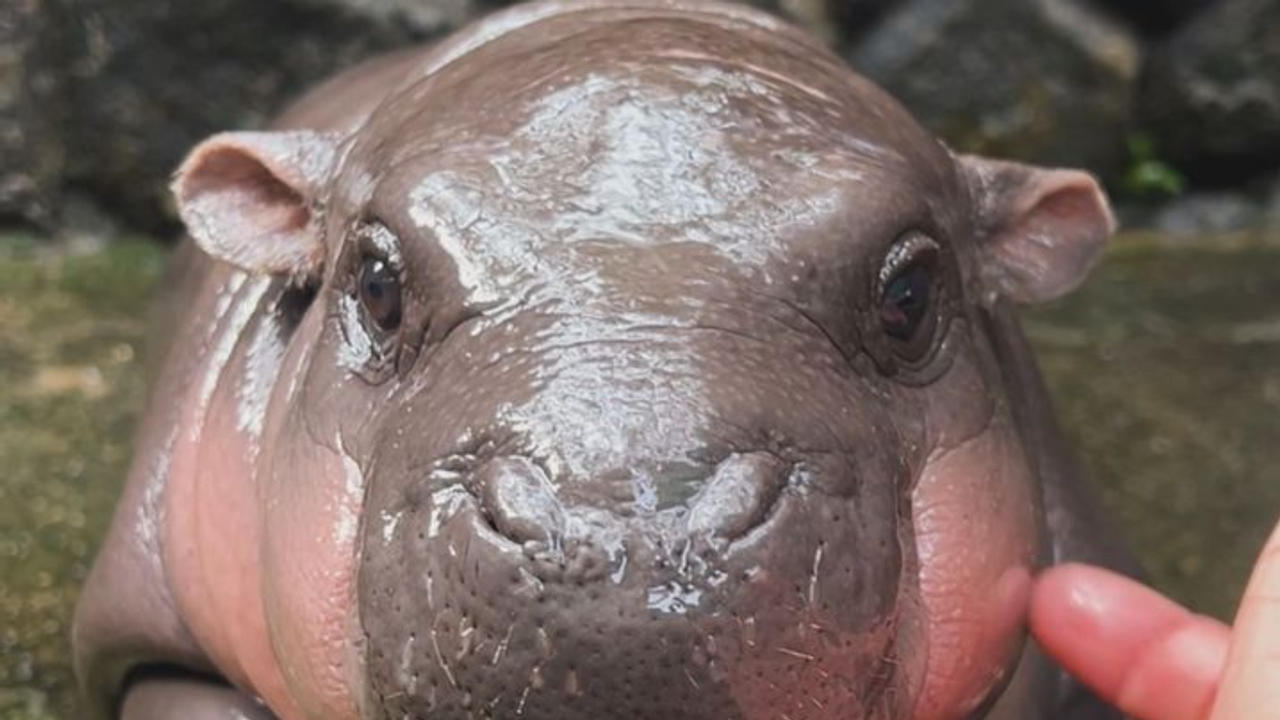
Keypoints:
(1073, 521)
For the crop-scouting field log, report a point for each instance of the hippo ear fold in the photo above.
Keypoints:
(247, 198)
(1040, 230)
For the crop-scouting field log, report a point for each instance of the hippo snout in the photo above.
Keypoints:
(517, 498)
(506, 591)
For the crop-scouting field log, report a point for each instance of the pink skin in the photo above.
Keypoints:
(976, 540)
(310, 562)
(309, 596)
(1156, 660)
(267, 587)
(213, 559)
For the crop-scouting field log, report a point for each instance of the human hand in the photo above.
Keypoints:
(1156, 660)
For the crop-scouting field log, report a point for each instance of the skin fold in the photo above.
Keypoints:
(607, 359)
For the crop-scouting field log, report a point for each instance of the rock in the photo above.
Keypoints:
(1271, 207)
(151, 77)
(428, 15)
(31, 114)
(1211, 95)
(1154, 17)
(836, 21)
(1048, 81)
(1208, 213)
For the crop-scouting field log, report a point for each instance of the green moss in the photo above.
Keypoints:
(70, 335)
(1166, 370)
(1146, 175)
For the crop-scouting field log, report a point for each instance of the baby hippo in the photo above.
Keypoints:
(609, 359)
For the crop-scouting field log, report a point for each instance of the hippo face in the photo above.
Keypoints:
(638, 363)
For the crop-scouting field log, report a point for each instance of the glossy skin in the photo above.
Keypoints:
(636, 441)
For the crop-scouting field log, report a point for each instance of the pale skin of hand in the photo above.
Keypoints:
(1153, 658)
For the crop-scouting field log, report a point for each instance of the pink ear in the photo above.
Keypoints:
(1040, 230)
(247, 198)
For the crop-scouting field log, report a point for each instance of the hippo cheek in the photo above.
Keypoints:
(797, 614)
(310, 534)
(977, 542)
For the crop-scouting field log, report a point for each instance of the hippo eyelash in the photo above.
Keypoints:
(904, 252)
(375, 238)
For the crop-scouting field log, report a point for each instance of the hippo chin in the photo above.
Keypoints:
(607, 360)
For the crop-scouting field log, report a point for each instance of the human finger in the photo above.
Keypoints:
(1250, 686)
(1137, 649)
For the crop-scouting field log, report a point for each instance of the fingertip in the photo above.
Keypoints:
(1136, 648)
(1068, 615)
(1055, 598)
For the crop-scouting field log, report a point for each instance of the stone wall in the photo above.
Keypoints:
(99, 99)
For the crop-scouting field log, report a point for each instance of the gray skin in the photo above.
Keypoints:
(564, 369)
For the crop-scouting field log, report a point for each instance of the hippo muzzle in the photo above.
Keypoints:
(609, 360)
(632, 528)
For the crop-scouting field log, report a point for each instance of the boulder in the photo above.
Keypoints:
(1211, 93)
(838, 22)
(1209, 212)
(149, 78)
(31, 114)
(1154, 18)
(1048, 81)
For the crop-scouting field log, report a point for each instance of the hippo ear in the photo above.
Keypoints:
(247, 198)
(1040, 230)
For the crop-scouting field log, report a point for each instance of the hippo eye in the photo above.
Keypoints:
(379, 287)
(908, 296)
(905, 302)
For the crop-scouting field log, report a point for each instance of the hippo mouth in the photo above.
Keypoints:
(495, 590)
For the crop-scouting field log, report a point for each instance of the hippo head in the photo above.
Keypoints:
(640, 365)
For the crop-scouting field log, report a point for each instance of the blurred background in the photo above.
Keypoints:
(1166, 366)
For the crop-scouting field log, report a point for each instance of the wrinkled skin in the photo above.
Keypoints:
(560, 370)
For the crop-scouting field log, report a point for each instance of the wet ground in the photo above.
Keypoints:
(1166, 367)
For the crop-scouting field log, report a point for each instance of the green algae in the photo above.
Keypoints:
(70, 337)
(1166, 372)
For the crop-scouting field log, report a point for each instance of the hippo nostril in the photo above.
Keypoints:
(518, 499)
(738, 496)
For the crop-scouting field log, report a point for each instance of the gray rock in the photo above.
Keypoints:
(428, 15)
(836, 21)
(1209, 213)
(1271, 207)
(149, 78)
(1043, 80)
(31, 115)
(1211, 95)
(1154, 17)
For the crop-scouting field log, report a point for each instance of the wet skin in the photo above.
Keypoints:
(607, 360)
